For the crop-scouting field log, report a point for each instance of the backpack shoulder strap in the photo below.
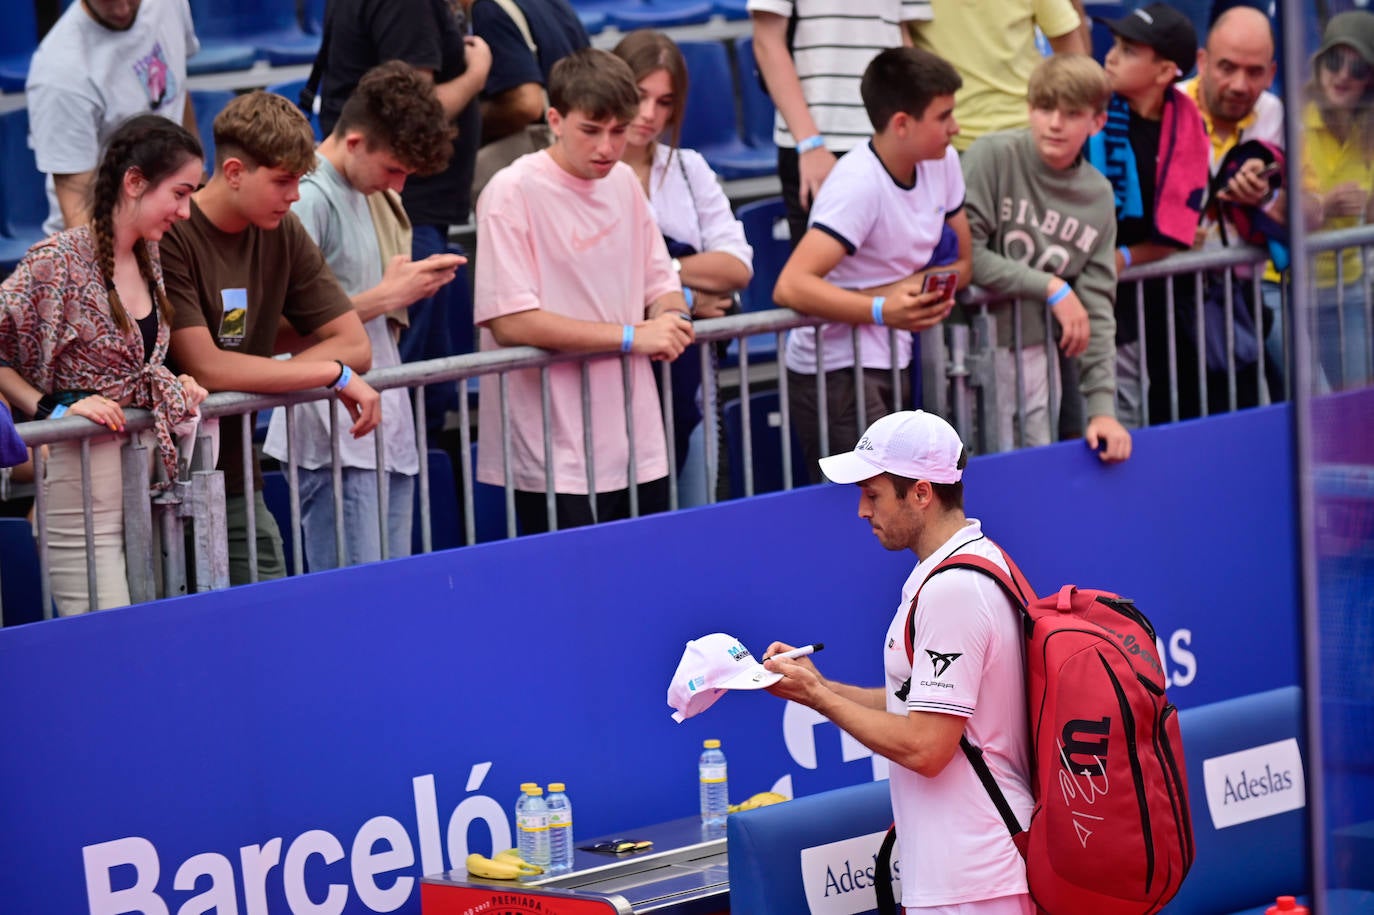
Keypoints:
(1017, 588)
(1014, 584)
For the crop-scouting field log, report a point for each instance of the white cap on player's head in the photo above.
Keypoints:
(912, 444)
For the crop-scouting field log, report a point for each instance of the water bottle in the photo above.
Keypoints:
(532, 824)
(560, 829)
(715, 792)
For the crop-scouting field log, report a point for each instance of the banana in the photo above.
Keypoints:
(762, 799)
(513, 854)
(502, 867)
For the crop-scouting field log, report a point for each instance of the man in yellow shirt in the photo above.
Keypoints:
(992, 45)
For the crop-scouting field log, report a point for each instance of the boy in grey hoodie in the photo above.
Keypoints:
(1043, 225)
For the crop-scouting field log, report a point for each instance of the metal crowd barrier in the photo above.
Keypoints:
(955, 361)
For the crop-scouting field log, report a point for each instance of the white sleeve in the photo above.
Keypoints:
(64, 126)
(192, 42)
(844, 208)
(950, 643)
(720, 230)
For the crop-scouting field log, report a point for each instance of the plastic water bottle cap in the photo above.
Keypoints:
(557, 786)
(533, 790)
(711, 744)
(524, 785)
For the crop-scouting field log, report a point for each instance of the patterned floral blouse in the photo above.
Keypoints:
(56, 330)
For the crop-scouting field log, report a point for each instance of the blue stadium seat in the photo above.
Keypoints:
(765, 433)
(219, 57)
(21, 588)
(312, 16)
(733, 9)
(23, 200)
(445, 514)
(757, 106)
(276, 492)
(292, 90)
(654, 14)
(1102, 36)
(18, 41)
(268, 26)
(592, 21)
(709, 125)
(207, 103)
(766, 230)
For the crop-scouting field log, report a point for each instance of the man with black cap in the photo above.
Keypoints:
(966, 676)
(1159, 197)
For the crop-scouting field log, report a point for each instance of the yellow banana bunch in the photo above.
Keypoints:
(762, 799)
(506, 865)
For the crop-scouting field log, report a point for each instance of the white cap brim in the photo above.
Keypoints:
(848, 467)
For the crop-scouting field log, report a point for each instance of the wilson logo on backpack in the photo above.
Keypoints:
(1111, 831)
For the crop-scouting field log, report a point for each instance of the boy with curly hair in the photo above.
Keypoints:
(390, 128)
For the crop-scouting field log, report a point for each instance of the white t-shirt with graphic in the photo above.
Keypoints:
(85, 80)
(888, 231)
(970, 662)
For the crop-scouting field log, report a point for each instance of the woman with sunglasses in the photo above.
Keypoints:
(1337, 181)
(704, 239)
(84, 326)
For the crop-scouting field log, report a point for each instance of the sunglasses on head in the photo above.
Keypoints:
(1338, 59)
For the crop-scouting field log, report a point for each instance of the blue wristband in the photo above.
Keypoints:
(1125, 253)
(344, 378)
(816, 141)
(687, 294)
(57, 411)
(1058, 295)
(627, 338)
(878, 310)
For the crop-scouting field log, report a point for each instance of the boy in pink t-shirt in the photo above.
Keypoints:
(570, 258)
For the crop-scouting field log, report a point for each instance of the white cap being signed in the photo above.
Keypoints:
(710, 665)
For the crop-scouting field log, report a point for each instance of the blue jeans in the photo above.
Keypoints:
(1343, 350)
(362, 536)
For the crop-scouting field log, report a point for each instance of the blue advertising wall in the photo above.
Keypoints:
(318, 744)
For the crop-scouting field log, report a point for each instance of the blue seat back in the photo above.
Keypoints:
(1246, 863)
(783, 854)
(229, 19)
(312, 16)
(757, 106)
(445, 513)
(23, 200)
(207, 103)
(709, 119)
(19, 37)
(276, 492)
(767, 231)
(765, 442)
(21, 588)
(291, 91)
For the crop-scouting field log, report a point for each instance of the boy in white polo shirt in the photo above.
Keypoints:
(875, 230)
(570, 258)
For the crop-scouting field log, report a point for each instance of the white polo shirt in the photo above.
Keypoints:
(969, 662)
(889, 231)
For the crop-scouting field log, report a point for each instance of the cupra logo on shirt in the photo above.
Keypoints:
(940, 662)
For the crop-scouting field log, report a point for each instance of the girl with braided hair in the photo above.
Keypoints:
(84, 328)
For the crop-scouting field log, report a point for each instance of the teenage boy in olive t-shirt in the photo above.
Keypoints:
(238, 266)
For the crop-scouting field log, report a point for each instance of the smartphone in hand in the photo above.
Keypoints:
(943, 281)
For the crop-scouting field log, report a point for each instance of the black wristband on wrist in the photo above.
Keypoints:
(49, 402)
(340, 364)
(46, 404)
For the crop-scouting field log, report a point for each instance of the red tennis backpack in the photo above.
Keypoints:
(1111, 832)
